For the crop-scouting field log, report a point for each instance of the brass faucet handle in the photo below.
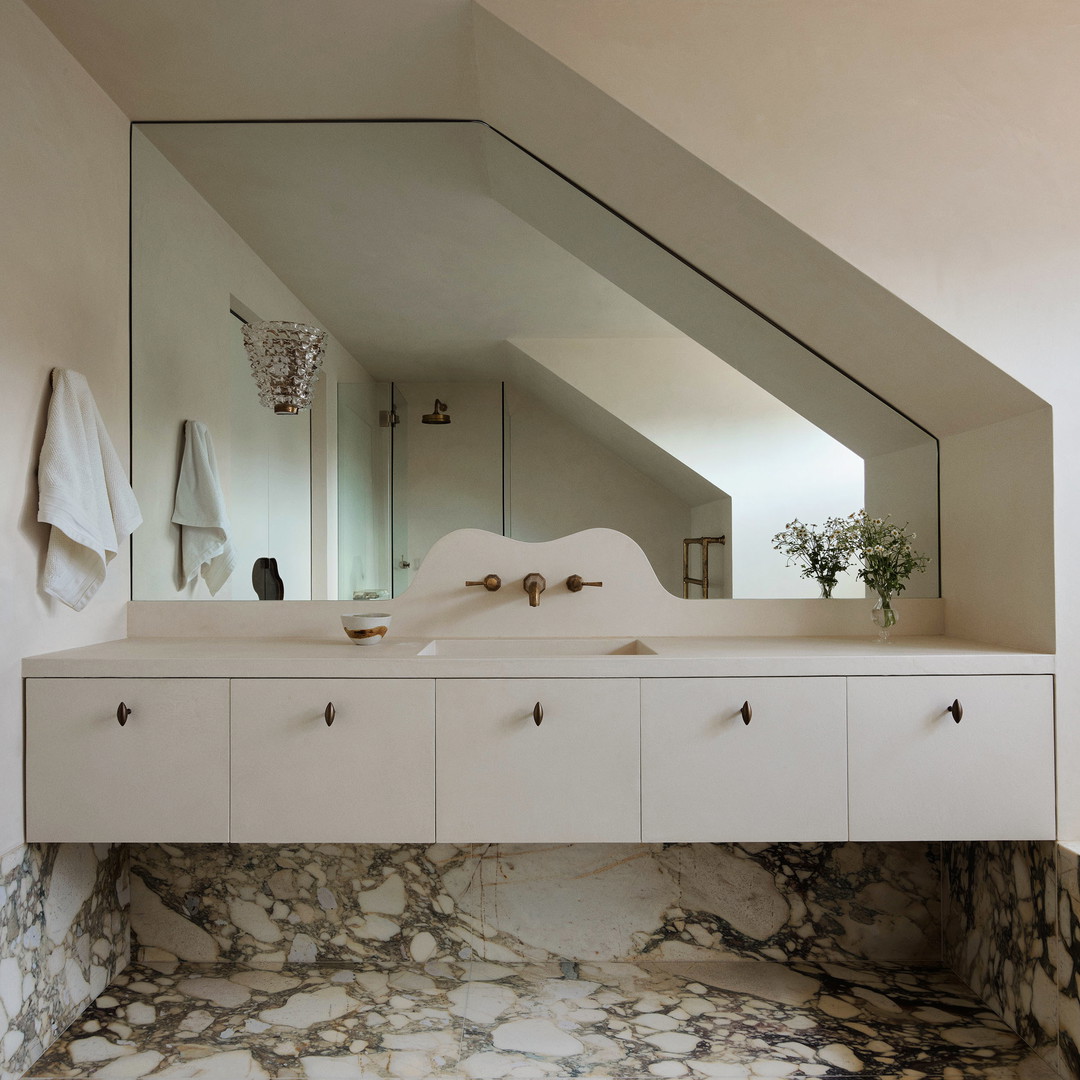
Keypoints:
(491, 582)
(534, 585)
(575, 584)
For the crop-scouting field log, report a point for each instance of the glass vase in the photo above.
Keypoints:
(827, 586)
(884, 616)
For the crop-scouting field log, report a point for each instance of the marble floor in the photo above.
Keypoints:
(481, 1020)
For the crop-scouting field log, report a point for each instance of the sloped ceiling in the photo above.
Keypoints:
(280, 59)
(543, 101)
(275, 59)
(389, 234)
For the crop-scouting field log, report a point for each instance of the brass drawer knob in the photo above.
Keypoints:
(957, 710)
(538, 714)
(746, 712)
(122, 714)
(329, 713)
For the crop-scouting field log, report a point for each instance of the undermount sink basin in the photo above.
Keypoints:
(525, 648)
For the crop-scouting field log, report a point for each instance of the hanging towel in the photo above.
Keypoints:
(83, 493)
(199, 510)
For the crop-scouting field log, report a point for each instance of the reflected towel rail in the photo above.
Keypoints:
(703, 581)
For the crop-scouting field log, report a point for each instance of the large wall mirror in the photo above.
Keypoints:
(590, 376)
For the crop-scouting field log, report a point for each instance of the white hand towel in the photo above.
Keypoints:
(199, 510)
(83, 493)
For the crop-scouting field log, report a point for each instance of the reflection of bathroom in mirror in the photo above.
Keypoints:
(590, 377)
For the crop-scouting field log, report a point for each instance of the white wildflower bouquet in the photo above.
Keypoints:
(886, 556)
(822, 551)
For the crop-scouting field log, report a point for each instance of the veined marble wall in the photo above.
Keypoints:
(1068, 960)
(273, 905)
(1012, 932)
(63, 937)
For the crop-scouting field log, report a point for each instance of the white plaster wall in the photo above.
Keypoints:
(775, 465)
(561, 481)
(999, 495)
(934, 147)
(264, 461)
(63, 261)
(274, 58)
(189, 266)
(343, 374)
(360, 559)
(895, 486)
(453, 473)
(930, 145)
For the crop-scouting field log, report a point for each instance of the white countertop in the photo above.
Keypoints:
(672, 657)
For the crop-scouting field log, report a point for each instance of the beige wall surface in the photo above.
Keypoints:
(774, 464)
(931, 146)
(563, 480)
(189, 266)
(251, 59)
(63, 261)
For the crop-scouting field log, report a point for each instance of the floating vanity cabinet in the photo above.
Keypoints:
(267, 741)
(915, 773)
(333, 760)
(127, 760)
(757, 759)
(502, 776)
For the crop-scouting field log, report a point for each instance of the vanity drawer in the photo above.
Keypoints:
(706, 775)
(367, 777)
(504, 778)
(917, 774)
(162, 775)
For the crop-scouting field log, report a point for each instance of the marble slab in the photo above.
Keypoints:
(532, 903)
(481, 1020)
(1012, 932)
(1068, 962)
(63, 937)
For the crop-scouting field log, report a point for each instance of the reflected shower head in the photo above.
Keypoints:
(438, 415)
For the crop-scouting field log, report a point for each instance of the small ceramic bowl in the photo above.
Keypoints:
(366, 629)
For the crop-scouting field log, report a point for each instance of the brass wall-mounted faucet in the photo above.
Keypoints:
(575, 583)
(534, 585)
(491, 582)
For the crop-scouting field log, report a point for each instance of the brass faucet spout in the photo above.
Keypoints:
(534, 585)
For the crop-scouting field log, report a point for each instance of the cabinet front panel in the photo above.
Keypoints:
(916, 774)
(368, 777)
(503, 778)
(161, 776)
(706, 775)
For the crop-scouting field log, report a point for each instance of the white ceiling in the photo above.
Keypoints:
(388, 233)
(287, 59)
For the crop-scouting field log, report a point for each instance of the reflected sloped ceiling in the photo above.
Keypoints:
(389, 234)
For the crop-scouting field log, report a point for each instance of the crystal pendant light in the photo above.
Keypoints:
(285, 360)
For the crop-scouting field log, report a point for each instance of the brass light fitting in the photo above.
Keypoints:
(438, 415)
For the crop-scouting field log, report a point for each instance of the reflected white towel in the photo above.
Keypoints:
(83, 493)
(199, 510)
